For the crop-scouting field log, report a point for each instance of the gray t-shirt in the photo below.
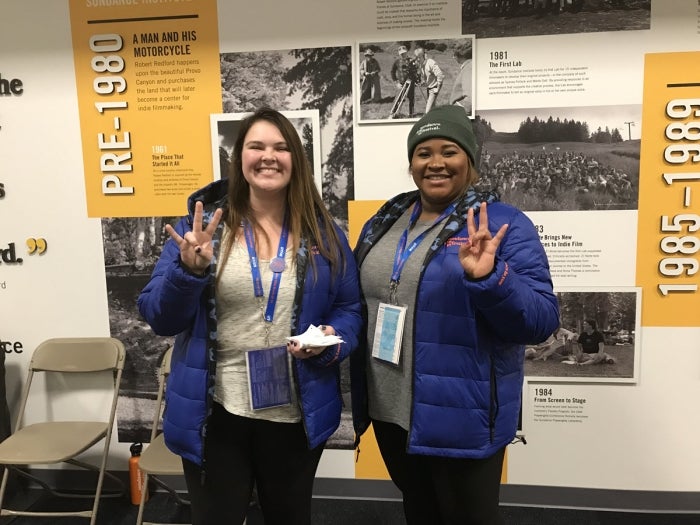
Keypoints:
(241, 327)
(390, 387)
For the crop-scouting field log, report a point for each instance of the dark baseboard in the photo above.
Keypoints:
(601, 499)
(511, 495)
(532, 496)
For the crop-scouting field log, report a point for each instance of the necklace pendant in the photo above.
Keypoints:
(278, 265)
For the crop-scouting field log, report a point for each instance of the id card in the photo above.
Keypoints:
(268, 378)
(388, 333)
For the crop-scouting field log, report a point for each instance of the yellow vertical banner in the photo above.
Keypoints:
(369, 464)
(669, 180)
(148, 77)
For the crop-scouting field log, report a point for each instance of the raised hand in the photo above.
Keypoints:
(196, 250)
(478, 255)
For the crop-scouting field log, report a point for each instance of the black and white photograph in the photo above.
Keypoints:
(131, 249)
(597, 339)
(224, 131)
(557, 159)
(401, 80)
(302, 79)
(505, 18)
(313, 86)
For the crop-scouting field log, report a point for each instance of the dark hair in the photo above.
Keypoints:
(592, 323)
(308, 216)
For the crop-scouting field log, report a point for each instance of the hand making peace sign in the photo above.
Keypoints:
(478, 255)
(196, 250)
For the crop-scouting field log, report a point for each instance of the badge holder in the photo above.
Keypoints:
(389, 333)
(268, 378)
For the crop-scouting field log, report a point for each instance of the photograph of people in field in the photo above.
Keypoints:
(503, 18)
(553, 159)
(596, 339)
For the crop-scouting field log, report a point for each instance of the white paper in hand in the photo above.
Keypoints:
(314, 336)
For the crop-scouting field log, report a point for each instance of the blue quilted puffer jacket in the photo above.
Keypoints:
(176, 302)
(468, 335)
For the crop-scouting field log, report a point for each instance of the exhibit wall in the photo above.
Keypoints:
(587, 116)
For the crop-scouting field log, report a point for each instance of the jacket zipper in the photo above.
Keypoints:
(493, 408)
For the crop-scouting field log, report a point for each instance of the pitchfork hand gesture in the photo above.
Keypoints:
(478, 255)
(196, 250)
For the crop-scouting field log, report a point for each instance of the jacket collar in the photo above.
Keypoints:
(389, 213)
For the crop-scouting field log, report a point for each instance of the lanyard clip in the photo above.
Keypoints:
(393, 287)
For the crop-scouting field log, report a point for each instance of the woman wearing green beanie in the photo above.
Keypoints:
(455, 284)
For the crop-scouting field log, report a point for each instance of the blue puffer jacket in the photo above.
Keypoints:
(468, 335)
(178, 302)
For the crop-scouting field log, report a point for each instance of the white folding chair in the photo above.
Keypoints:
(156, 460)
(56, 442)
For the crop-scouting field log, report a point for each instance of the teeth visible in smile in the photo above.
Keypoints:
(437, 177)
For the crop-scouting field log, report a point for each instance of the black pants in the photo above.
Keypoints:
(438, 490)
(241, 452)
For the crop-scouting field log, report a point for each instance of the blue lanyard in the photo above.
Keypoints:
(403, 252)
(255, 268)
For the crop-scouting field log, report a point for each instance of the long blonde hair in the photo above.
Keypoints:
(308, 216)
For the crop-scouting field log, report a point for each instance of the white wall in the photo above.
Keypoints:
(635, 436)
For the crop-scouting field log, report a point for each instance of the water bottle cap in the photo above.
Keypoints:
(136, 449)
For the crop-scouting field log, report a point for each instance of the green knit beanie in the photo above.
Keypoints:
(445, 122)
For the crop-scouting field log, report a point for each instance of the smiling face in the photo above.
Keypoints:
(442, 172)
(266, 160)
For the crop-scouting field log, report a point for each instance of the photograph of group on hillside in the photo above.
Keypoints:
(504, 18)
(555, 159)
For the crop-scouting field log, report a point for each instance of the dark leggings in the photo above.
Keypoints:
(440, 490)
(241, 453)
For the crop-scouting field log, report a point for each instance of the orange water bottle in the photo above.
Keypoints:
(136, 476)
